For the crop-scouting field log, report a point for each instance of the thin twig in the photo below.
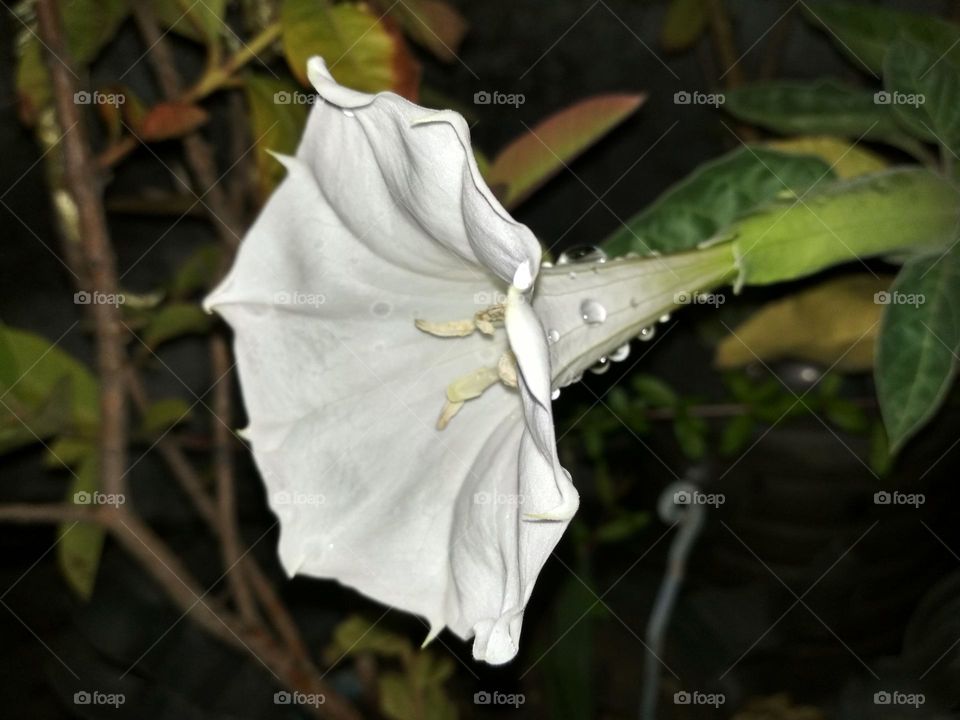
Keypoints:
(81, 178)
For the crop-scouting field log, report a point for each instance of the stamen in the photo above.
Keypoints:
(453, 328)
(507, 369)
(485, 319)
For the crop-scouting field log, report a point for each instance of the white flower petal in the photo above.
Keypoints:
(383, 219)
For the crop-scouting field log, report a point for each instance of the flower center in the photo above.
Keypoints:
(473, 384)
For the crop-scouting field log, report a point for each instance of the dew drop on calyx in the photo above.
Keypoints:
(553, 336)
(602, 365)
(555, 394)
(592, 312)
(582, 254)
(621, 353)
(646, 335)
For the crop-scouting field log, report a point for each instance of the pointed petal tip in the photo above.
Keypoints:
(497, 641)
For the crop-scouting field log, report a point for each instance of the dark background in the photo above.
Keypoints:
(797, 501)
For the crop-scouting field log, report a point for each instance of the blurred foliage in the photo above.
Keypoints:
(410, 683)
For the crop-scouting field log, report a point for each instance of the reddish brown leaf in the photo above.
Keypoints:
(532, 159)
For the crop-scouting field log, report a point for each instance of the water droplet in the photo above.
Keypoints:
(553, 336)
(381, 309)
(555, 394)
(601, 367)
(646, 335)
(572, 275)
(582, 254)
(621, 353)
(592, 312)
(665, 317)
(349, 113)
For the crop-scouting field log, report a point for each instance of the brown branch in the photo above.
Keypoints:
(226, 485)
(198, 152)
(193, 486)
(81, 176)
(24, 513)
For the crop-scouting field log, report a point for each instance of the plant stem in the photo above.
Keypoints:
(81, 176)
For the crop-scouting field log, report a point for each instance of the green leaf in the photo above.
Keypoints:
(846, 416)
(683, 25)
(199, 271)
(161, 415)
(864, 32)
(845, 157)
(916, 354)
(569, 666)
(361, 50)
(691, 434)
(40, 366)
(88, 24)
(200, 21)
(533, 158)
(654, 391)
(737, 432)
(824, 107)
(174, 320)
(623, 527)
(358, 635)
(891, 211)
(714, 195)
(80, 544)
(923, 88)
(277, 119)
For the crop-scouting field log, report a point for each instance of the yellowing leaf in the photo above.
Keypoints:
(277, 118)
(683, 25)
(362, 51)
(532, 159)
(434, 24)
(200, 21)
(846, 159)
(835, 322)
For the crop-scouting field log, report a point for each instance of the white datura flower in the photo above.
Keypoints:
(398, 342)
